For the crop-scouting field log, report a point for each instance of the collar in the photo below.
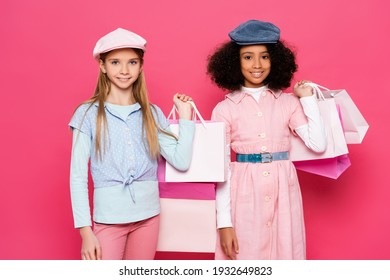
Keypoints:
(237, 96)
(136, 107)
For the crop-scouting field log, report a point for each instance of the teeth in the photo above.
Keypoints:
(257, 75)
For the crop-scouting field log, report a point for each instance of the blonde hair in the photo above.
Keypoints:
(140, 95)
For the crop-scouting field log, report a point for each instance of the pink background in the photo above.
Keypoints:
(47, 69)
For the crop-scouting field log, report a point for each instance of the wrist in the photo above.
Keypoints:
(225, 228)
(84, 231)
(185, 113)
(305, 95)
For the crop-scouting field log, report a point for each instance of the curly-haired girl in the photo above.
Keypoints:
(259, 208)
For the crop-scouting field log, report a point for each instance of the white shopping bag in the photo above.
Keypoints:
(354, 124)
(208, 158)
(337, 145)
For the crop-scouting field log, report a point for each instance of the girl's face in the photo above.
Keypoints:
(122, 67)
(255, 65)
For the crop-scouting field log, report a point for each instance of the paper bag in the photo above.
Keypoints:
(327, 167)
(208, 156)
(187, 217)
(355, 126)
(337, 145)
(200, 191)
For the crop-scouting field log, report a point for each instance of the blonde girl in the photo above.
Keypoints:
(118, 135)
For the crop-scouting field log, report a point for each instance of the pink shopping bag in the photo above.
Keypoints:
(208, 156)
(327, 167)
(187, 216)
(183, 190)
(187, 225)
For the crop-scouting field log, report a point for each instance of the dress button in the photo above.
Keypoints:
(267, 198)
(259, 114)
(266, 173)
(263, 93)
(269, 224)
(129, 142)
(262, 135)
(264, 148)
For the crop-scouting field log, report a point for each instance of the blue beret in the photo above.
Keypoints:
(254, 32)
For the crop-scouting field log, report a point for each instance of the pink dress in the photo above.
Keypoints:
(266, 201)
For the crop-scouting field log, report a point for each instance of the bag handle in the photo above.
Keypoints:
(317, 90)
(195, 114)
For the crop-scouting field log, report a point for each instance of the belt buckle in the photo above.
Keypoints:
(266, 157)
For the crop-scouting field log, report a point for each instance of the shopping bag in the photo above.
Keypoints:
(183, 190)
(187, 225)
(187, 217)
(337, 145)
(327, 167)
(354, 124)
(208, 154)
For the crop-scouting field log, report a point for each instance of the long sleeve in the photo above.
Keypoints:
(178, 152)
(81, 147)
(313, 133)
(222, 199)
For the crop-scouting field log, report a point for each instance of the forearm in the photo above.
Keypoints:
(313, 134)
(79, 179)
(179, 152)
(223, 197)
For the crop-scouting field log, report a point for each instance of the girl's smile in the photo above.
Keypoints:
(256, 74)
(124, 79)
(122, 67)
(255, 65)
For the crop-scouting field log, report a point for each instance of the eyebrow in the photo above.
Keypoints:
(264, 52)
(113, 58)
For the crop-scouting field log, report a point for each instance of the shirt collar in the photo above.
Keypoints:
(237, 96)
(136, 107)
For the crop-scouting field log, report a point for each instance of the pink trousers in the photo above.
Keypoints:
(133, 241)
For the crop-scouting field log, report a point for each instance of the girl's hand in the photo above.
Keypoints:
(183, 107)
(90, 248)
(229, 242)
(302, 90)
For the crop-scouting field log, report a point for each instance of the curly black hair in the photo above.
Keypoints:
(224, 66)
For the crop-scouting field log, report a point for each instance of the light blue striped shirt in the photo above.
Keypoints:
(125, 180)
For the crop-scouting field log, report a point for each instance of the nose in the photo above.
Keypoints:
(124, 68)
(256, 63)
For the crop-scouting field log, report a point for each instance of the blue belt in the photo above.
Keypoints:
(262, 158)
